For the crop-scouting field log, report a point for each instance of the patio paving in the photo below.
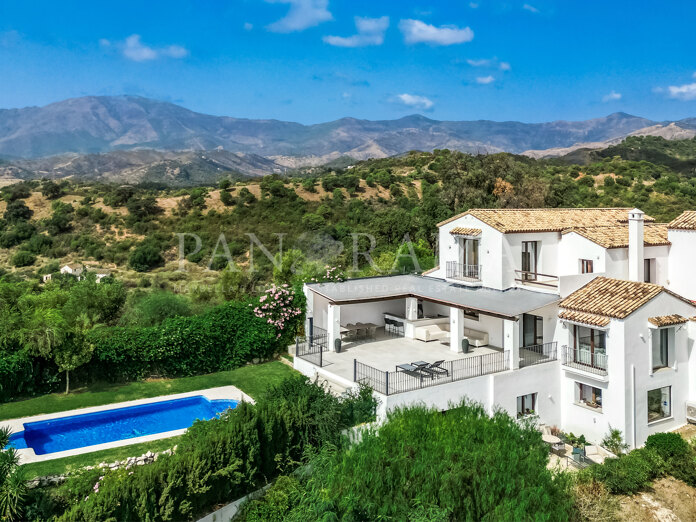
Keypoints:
(384, 352)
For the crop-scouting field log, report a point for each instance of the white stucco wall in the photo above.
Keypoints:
(573, 248)
(547, 255)
(681, 262)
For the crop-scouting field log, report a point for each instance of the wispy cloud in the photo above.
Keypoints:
(416, 31)
(612, 96)
(248, 26)
(134, 49)
(485, 80)
(302, 15)
(370, 32)
(490, 63)
(685, 92)
(530, 8)
(473, 5)
(414, 101)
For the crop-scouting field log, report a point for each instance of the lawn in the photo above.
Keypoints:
(253, 380)
(59, 466)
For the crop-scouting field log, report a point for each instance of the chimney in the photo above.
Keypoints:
(635, 245)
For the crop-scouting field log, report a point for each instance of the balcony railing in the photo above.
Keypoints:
(538, 354)
(463, 272)
(389, 383)
(535, 278)
(585, 360)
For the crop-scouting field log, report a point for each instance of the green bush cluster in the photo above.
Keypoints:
(223, 338)
(426, 465)
(217, 461)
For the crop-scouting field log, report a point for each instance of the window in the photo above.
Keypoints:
(470, 314)
(589, 347)
(588, 396)
(660, 348)
(647, 270)
(529, 260)
(532, 330)
(586, 266)
(659, 404)
(526, 404)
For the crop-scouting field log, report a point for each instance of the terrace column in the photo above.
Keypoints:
(511, 342)
(456, 329)
(333, 325)
(309, 297)
(411, 308)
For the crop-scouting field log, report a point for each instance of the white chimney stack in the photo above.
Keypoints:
(636, 264)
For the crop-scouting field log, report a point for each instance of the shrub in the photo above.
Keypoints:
(668, 445)
(146, 256)
(220, 460)
(23, 258)
(630, 473)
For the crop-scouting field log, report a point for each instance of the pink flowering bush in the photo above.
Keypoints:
(331, 274)
(277, 306)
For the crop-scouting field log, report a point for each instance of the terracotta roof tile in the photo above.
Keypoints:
(511, 220)
(462, 231)
(585, 318)
(685, 221)
(667, 320)
(616, 236)
(615, 298)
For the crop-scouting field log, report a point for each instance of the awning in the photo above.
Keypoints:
(507, 304)
(667, 320)
(461, 231)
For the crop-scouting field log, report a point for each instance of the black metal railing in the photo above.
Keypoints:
(391, 382)
(463, 272)
(311, 346)
(538, 354)
(582, 359)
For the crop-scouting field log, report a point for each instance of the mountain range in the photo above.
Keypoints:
(93, 135)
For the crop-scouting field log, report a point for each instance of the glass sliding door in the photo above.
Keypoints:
(590, 347)
(529, 260)
(532, 330)
(469, 257)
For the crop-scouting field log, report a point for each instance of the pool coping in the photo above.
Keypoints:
(27, 455)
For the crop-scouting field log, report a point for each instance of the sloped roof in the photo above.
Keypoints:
(73, 266)
(585, 318)
(667, 320)
(614, 298)
(512, 220)
(616, 236)
(462, 231)
(685, 221)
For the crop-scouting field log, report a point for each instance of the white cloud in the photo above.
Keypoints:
(415, 31)
(414, 101)
(134, 49)
(530, 8)
(473, 5)
(302, 15)
(248, 26)
(104, 42)
(492, 62)
(612, 96)
(504, 66)
(485, 80)
(370, 32)
(686, 92)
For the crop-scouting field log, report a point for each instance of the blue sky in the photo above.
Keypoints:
(318, 60)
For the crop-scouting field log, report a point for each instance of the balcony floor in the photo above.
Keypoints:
(384, 352)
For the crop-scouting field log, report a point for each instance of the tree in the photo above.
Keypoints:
(51, 190)
(146, 256)
(17, 211)
(153, 308)
(224, 184)
(12, 480)
(23, 258)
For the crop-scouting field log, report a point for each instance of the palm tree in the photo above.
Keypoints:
(12, 480)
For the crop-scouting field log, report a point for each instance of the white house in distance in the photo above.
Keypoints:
(582, 316)
(76, 269)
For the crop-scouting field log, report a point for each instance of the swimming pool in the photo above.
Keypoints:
(88, 429)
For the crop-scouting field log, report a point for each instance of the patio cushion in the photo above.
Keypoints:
(476, 338)
(432, 332)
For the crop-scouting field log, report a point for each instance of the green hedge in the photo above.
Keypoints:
(227, 337)
(217, 461)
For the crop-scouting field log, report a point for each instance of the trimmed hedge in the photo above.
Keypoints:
(224, 338)
(219, 460)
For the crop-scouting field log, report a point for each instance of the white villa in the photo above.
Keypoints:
(583, 317)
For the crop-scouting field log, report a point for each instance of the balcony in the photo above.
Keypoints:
(538, 354)
(461, 272)
(536, 279)
(583, 359)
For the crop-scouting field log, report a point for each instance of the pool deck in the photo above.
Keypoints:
(27, 455)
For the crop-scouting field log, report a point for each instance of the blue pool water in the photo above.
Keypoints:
(88, 429)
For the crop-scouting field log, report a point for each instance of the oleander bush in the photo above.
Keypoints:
(220, 460)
